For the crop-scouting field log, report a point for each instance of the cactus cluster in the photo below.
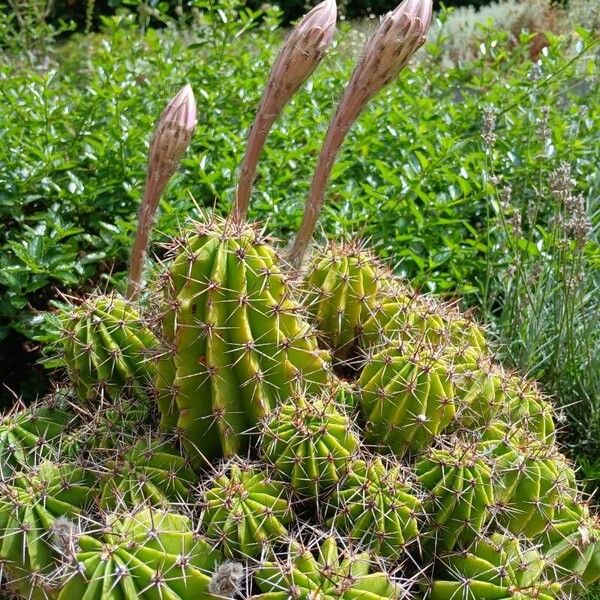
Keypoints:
(257, 426)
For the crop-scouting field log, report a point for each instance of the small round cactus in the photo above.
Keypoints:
(107, 348)
(29, 435)
(30, 506)
(144, 555)
(494, 568)
(309, 442)
(323, 569)
(407, 398)
(459, 490)
(244, 510)
(374, 506)
(406, 316)
(343, 283)
(571, 546)
(149, 472)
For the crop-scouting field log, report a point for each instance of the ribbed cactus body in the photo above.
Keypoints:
(149, 555)
(310, 443)
(28, 436)
(478, 386)
(527, 408)
(324, 573)
(238, 342)
(107, 348)
(459, 494)
(374, 506)
(495, 568)
(29, 507)
(245, 510)
(571, 546)
(344, 394)
(343, 284)
(532, 480)
(407, 316)
(109, 427)
(406, 397)
(150, 472)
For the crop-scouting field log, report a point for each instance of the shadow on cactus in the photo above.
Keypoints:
(252, 422)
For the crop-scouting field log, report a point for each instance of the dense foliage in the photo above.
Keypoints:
(416, 177)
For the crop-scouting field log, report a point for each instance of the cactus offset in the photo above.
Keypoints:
(245, 509)
(150, 472)
(374, 506)
(29, 507)
(28, 436)
(459, 490)
(309, 443)
(343, 284)
(107, 348)
(407, 398)
(494, 568)
(144, 555)
(326, 571)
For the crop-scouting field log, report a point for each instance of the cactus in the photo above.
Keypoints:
(326, 571)
(106, 348)
(405, 315)
(494, 568)
(571, 546)
(479, 384)
(532, 480)
(110, 426)
(244, 510)
(343, 285)
(344, 394)
(527, 407)
(239, 343)
(459, 494)
(413, 460)
(150, 472)
(29, 507)
(374, 506)
(28, 436)
(407, 398)
(309, 443)
(144, 555)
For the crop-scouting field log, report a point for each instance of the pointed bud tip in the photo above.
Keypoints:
(416, 9)
(182, 108)
(323, 17)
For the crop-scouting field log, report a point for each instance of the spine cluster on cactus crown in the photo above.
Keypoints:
(211, 449)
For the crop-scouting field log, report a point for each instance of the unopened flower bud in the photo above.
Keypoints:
(299, 57)
(401, 33)
(170, 141)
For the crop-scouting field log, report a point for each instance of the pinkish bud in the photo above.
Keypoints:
(299, 57)
(169, 143)
(401, 33)
(301, 53)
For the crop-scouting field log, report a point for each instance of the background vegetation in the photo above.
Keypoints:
(476, 174)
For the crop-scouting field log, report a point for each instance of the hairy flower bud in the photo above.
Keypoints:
(299, 57)
(169, 143)
(401, 33)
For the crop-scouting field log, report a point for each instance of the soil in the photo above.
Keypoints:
(20, 375)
